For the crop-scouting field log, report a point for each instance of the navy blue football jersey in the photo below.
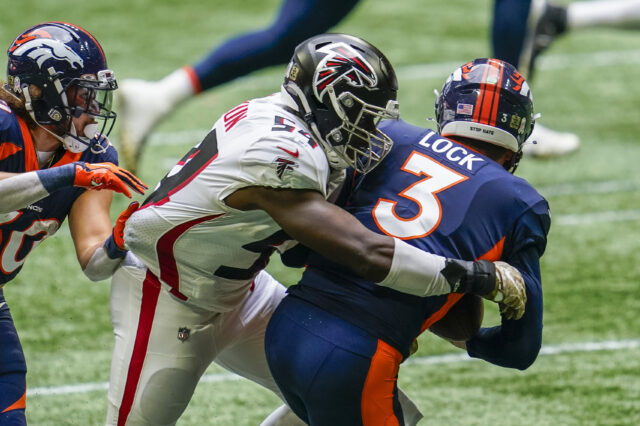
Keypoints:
(22, 230)
(441, 197)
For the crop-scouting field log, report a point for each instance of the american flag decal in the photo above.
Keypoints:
(465, 109)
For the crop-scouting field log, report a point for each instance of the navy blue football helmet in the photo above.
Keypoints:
(487, 100)
(343, 86)
(60, 72)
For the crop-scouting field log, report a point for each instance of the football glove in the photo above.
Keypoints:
(99, 176)
(510, 292)
(114, 245)
(495, 281)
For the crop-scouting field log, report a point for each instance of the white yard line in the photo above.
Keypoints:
(598, 217)
(611, 345)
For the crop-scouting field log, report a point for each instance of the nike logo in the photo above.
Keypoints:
(2, 304)
(291, 153)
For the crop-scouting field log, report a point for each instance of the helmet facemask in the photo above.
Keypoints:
(357, 140)
(94, 97)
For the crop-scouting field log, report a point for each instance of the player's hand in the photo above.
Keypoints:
(510, 291)
(99, 176)
(114, 245)
(118, 229)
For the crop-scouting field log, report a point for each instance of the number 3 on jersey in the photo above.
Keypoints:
(423, 193)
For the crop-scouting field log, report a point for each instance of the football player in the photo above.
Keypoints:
(258, 180)
(144, 103)
(335, 343)
(55, 114)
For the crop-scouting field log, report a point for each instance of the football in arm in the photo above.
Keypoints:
(462, 321)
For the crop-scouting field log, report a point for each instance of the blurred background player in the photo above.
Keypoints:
(257, 181)
(522, 29)
(143, 104)
(335, 343)
(55, 114)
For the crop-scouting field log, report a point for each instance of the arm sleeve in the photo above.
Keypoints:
(516, 343)
(17, 192)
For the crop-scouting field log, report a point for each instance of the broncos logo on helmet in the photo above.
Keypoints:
(342, 62)
(41, 49)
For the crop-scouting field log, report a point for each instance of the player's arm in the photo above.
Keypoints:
(327, 229)
(516, 344)
(21, 189)
(93, 236)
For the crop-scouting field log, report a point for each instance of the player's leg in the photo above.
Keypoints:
(521, 30)
(240, 342)
(330, 371)
(13, 370)
(162, 348)
(143, 104)
(509, 28)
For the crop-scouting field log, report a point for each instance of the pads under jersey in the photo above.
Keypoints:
(441, 197)
(22, 230)
(207, 252)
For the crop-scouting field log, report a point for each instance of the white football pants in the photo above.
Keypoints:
(163, 346)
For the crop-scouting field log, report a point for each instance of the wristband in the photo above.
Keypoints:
(112, 249)
(471, 277)
(56, 178)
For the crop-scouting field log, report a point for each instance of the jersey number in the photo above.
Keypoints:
(423, 193)
(22, 242)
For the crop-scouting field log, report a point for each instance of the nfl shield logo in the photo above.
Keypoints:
(183, 333)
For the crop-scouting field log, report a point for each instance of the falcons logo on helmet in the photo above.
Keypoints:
(342, 62)
(41, 49)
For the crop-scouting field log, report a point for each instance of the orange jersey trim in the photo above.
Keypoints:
(7, 149)
(68, 157)
(377, 393)
(20, 404)
(494, 253)
(30, 158)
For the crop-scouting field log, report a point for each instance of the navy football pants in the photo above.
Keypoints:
(13, 370)
(331, 372)
(297, 20)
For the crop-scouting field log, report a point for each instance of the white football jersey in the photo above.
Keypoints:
(207, 252)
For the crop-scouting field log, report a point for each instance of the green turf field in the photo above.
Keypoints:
(589, 372)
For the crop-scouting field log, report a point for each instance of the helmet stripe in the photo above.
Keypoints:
(496, 93)
(479, 114)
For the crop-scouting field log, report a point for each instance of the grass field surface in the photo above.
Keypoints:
(587, 83)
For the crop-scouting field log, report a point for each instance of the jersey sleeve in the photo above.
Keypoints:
(107, 154)
(516, 343)
(285, 164)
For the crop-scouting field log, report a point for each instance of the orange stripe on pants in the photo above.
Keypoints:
(19, 404)
(379, 387)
